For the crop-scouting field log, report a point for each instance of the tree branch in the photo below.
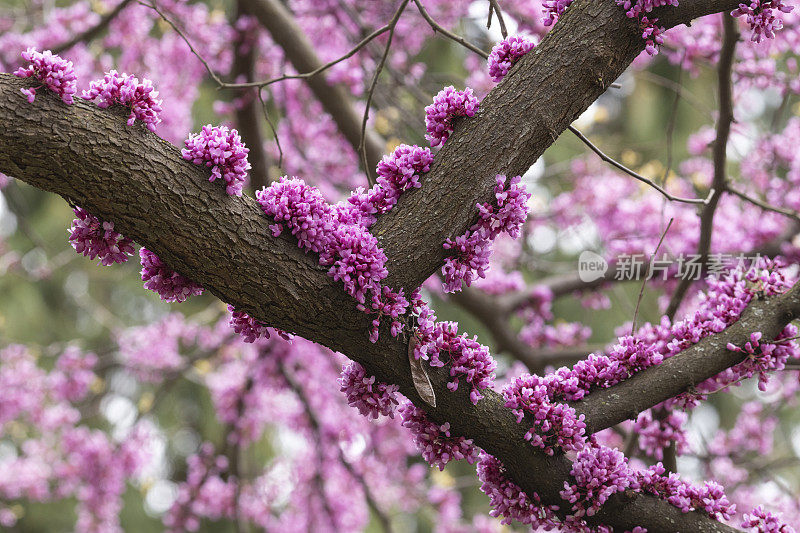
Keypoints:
(129, 176)
(248, 115)
(592, 44)
(491, 315)
(607, 407)
(94, 31)
(277, 20)
(720, 181)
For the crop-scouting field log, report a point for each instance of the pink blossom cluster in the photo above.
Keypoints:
(686, 497)
(402, 169)
(74, 374)
(555, 426)
(251, 329)
(220, 148)
(753, 433)
(370, 398)
(153, 352)
(440, 344)
(762, 521)
(760, 15)
(204, 494)
(721, 306)
(651, 33)
(471, 251)
(397, 173)
(599, 472)
(127, 90)
(55, 73)
(766, 357)
(95, 238)
(342, 241)
(99, 469)
(435, 443)
(628, 219)
(159, 278)
(553, 9)
(505, 54)
(508, 500)
(657, 433)
(447, 105)
(61, 458)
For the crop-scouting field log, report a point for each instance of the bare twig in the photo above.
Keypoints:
(154, 7)
(271, 127)
(494, 8)
(636, 175)
(436, 27)
(720, 182)
(644, 281)
(361, 145)
(763, 205)
(316, 427)
(322, 68)
(94, 31)
(673, 117)
(335, 99)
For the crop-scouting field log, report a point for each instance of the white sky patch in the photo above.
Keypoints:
(702, 425)
(542, 239)
(120, 412)
(479, 13)
(588, 117)
(574, 240)
(160, 497)
(76, 284)
(8, 222)
(795, 440)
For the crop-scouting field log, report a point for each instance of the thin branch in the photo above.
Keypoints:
(361, 145)
(763, 205)
(673, 118)
(247, 112)
(271, 127)
(335, 98)
(185, 39)
(644, 281)
(613, 162)
(494, 8)
(720, 182)
(677, 88)
(607, 407)
(94, 31)
(487, 311)
(436, 27)
(316, 427)
(322, 68)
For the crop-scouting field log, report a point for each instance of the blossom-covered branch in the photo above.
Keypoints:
(118, 172)
(517, 121)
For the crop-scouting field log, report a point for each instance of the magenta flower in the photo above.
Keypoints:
(55, 73)
(127, 90)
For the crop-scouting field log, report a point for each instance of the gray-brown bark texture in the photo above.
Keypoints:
(129, 176)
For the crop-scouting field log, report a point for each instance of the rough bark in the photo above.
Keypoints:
(589, 48)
